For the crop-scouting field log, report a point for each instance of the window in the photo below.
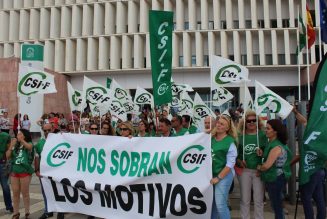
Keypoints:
(193, 60)
(273, 23)
(261, 23)
(211, 25)
(186, 25)
(281, 59)
(269, 59)
(244, 59)
(248, 24)
(236, 24)
(286, 23)
(174, 25)
(181, 61)
(256, 59)
(198, 25)
(293, 59)
(223, 25)
(205, 60)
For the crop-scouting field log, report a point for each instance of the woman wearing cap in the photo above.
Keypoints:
(276, 168)
(248, 160)
(224, 155)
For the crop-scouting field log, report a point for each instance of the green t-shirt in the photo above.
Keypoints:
(219, 150)
(250, 148)
(22, 160)
(192, 129)
(4, 140)
(181, 132)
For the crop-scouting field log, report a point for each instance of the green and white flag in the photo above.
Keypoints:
(200, 112)
(177, 89)
(265, 98)
(119, 92)
(248, 101)
(186, 104)
(161, 28)
(34, 81)
(314, 150)
(221, 96)
(302, 35)
(143, 96)
(224, 71)
(74, 97)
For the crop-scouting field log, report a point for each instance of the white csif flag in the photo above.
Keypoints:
(34, 81)
(143, 96)
(74, 97)
(224, 71)
(200, 112)
(267, 98)
(221, 96)
(186, 104)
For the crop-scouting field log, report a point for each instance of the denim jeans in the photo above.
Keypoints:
(5, 188)
(220, 203)
(275, 192)
(314, 189)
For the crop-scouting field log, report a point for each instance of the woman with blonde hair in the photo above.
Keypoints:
(126, 129)
(251, 138)
(224, 153)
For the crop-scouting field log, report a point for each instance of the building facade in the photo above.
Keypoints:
(101, 39)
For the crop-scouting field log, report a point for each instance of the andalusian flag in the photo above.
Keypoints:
(313, 150)
(302, 35)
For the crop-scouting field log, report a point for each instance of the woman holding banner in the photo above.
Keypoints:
(21, 153)
(224, 155)
(251, 138)
(276, 168)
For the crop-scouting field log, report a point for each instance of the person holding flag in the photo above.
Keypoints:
(224, 153)
(276, 169)
(251, 140)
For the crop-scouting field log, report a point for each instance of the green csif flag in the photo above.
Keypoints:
(313, 150)
(161, 28)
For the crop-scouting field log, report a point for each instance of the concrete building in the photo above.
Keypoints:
(110, 38)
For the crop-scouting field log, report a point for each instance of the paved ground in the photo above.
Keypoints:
(37, 205)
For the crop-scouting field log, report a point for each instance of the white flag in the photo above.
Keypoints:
(177, 89)
(224, 71)
(267, 98)
(248, 101)
(186, 104)
(119, 92)
(74, 97)
(200, 112)
(221, 96)
(34, 81)
(142, 96)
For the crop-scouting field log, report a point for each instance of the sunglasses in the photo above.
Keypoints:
(124, 129)
(251, 120)
(93, 128)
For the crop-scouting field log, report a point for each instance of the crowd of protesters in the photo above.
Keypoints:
(241, 145)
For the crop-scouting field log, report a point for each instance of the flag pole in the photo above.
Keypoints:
(300, 52)
(319, 32)
(307, 55)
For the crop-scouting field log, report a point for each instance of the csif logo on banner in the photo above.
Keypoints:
(202, 111)
(143, 98)
(117, 107)
(162, 89)
(191, 159)
(59, 154)
(33, 80)
(76, 98)
(250, 149)
(309, 159)
(97, 94)
(227, 74)
(186, 104)
(263, 99)
(219, 95)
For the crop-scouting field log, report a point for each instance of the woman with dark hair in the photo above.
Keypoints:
(107, 129)
(143, 129)
(21, 153)
(94, 129)
(152, 129)
(26, 123)
(276, 168)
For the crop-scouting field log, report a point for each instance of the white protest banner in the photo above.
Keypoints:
(34, 81)
(121, 178)
(143, 96)
(74, 97)
(267, 98)
(221, 96)
(224, 71)
(200, 112)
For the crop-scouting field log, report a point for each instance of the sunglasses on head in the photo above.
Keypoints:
(251, 120)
